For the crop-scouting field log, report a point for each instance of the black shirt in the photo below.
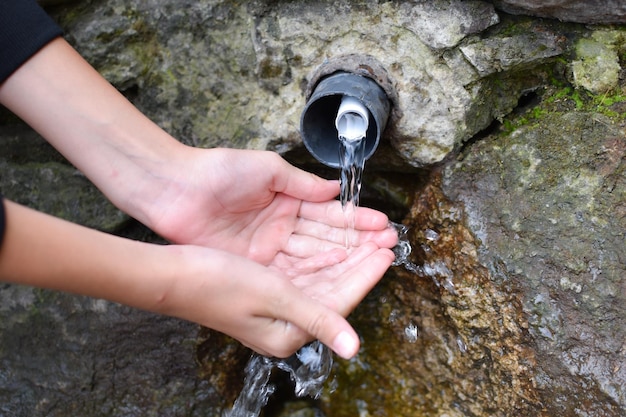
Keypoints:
(24, 29)
(2, 220)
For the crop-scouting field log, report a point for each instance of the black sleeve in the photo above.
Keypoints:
(2, 219)
(24, 29)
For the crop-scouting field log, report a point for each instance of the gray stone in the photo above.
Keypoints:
(581, 11)
(35, 175)
(64, 355)
(597, 64)
(547, 204)
(216, 75)
(519, 306)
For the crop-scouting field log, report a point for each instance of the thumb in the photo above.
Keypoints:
(301, 184)
(324, 324)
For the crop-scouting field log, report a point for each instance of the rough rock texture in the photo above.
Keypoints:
(582, 11)
(62, 355)
(521, 309)
(547, 203)
(34, 174)
(217, 75)
(520, 227)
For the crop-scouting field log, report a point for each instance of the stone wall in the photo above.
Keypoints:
(504, 153)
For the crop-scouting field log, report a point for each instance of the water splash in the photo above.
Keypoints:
(308, 369)
(438, 271)
(256, 388)
(310, 366)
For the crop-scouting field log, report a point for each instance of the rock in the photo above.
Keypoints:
(517, 228)
(581, 11)
(597, 65)
(547, 203)
(35, 175)
(518, 308)
(214, 75)
(64, 355)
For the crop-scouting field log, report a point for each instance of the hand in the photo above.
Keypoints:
(258, 305)
(269, 312)
(255, 204)
(252, 203)
(249, 203)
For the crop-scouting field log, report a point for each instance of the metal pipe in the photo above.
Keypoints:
(321, 115)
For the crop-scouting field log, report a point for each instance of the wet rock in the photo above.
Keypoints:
(451, 341)
(547, 203)
(221, 362)
(582, 11)
(217, 75)
(518, 306)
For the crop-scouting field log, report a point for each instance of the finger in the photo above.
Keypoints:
(344, 285)
(298, 183)
(386, 238)
(321, 323)
(307, 244)
(293, 266)
(332, 214)
(361, 279)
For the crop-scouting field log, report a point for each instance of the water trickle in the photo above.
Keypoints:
(310, 366)
(352, 165)
(437, 271)
(351, 122)
(308, 369)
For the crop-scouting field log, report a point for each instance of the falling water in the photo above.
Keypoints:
(352, 165)
(310, 366)
(352, 123)
(308, 369)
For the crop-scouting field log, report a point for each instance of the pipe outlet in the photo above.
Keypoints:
(348, 105)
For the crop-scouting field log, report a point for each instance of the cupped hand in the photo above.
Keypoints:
(255, 204)
(268, 311)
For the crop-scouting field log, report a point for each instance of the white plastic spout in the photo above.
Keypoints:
(352, 119)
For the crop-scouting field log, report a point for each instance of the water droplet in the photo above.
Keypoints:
(431, 235)
(411, 332)
(461, 344)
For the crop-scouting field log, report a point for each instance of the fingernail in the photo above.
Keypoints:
(345, 345)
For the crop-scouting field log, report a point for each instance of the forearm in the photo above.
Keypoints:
(46, 252)
(92, 125)
(234, 295)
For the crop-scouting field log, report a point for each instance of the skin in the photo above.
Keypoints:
(257, 247)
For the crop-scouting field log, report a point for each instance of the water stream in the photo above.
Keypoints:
(310, 366)
(308, 369)
(352, 165)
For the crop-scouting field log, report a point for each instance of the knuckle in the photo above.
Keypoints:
(317, 324)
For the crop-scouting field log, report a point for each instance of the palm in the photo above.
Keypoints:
(256, 205)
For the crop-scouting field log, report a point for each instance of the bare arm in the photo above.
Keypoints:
(267, 312)
(252, 204)
(62, 97)
(223, 198)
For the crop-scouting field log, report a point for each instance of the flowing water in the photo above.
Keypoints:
(310, 366)
(352, 164)
(308, 369)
